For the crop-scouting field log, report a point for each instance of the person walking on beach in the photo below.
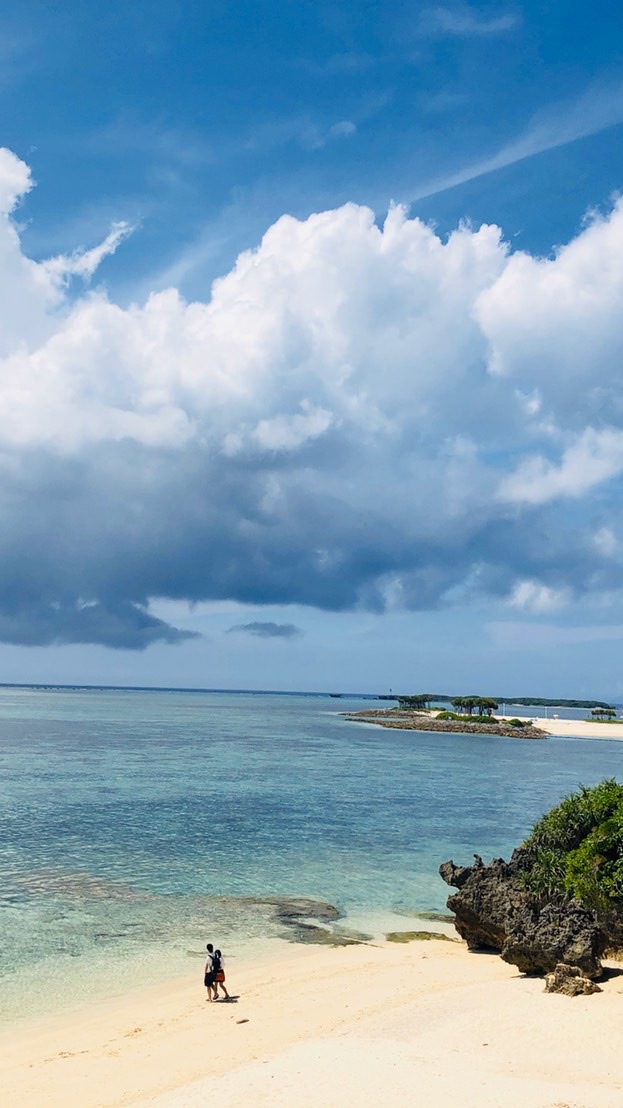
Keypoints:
(209, 973)
(218, 966)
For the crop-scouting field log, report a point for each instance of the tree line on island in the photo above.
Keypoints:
(468, 705)
(486, 705)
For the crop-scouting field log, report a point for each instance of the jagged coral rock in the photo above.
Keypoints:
(493, 911)
(570, 981)
(539, 939)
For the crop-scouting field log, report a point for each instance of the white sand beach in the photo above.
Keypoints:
(582, 729)
(425, 1024)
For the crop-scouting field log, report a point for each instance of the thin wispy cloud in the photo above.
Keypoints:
(267, 630)
(83, 263)
(314, 137)
(465, 21)
(306, 132)
(157, 140)
(19, 45)
(512, 635)
(337, 64)
(596, 110)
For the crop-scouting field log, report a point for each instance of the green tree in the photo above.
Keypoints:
(487, 705)
(577, 849)
(415, 703)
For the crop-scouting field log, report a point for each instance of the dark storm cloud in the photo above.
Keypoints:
(268, 630)
(85, 549)
(122, 625)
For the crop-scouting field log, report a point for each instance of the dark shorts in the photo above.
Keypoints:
(209, 979)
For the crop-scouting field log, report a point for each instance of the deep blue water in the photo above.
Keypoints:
(128, 820)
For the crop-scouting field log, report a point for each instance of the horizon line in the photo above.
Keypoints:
(70, 686)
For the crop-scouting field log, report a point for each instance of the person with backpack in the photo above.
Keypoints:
(209, 973)
(218, 966)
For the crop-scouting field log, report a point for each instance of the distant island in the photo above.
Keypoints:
(425, 700)
(474, 714)
(410, 719)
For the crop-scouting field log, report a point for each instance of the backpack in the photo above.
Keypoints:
(216, 962)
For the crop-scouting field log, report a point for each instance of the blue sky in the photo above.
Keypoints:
(373, 454)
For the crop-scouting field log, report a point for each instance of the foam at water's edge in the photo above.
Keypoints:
(246, 928)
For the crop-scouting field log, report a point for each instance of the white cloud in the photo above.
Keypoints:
(290, 432)
(15, 180)
(531, 596)
(359, 415)
(595, 457)
(574, 304)
(297, 337)
(606, 542)
(281, 432)
(83, 263)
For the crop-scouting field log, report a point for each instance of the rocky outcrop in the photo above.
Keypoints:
(493, 911)
(539, 939)
(570, 981)
(414, 721)
(488, 897)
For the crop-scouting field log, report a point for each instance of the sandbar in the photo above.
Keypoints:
(580, 728)
(425, 1023)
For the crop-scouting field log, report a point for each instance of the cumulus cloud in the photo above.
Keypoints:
(359, 416)
(268, 630)
(15, 180)
(554, 324)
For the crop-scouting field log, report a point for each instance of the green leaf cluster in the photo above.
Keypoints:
(416, 703)
(465, 718)
(482, 705)
(576, 850)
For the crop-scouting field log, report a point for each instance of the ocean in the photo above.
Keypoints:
(135, 825)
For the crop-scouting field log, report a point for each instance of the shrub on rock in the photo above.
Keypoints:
(560, 898)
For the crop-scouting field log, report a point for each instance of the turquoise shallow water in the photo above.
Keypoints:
(135, 824)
